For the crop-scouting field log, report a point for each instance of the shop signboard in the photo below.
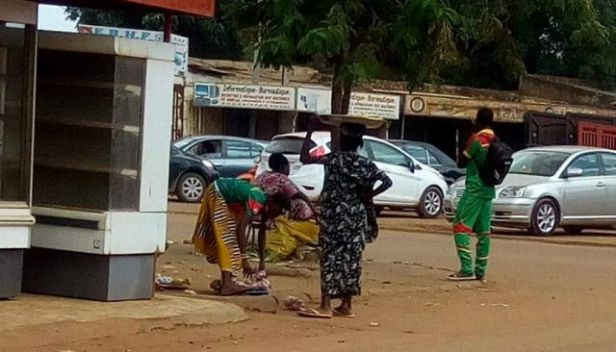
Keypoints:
(181, 43)
(368, 104)
(362, 104)
(314, 100)
(245, 96)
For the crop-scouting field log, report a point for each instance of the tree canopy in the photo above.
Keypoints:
(481, 43)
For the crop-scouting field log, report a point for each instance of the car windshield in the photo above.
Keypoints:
(287, 145)
(182, 143)
(443, 158)
(538, 163)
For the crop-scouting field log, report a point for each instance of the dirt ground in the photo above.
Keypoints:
(556, 294)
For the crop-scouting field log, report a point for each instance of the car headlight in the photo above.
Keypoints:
(513, 192)
(208, 164)
(453, 189)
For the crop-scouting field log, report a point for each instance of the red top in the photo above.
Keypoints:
(191, 7)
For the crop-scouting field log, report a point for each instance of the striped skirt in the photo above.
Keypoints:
(215, 233)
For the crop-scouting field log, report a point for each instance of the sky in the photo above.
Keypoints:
(54, 18)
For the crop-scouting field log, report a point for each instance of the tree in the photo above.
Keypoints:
(356, 39)
(480, 43)
(557, 37)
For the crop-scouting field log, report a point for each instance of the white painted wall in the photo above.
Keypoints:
(158, 113)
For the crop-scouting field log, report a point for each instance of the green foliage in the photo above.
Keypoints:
(482, 43)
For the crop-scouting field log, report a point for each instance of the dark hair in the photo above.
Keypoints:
(350, 143)
(278, 162)
(485, 117)
(280, 199)
(351, 136)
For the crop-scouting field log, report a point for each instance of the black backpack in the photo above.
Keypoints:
(497, 163)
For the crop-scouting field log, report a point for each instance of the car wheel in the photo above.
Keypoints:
(191, 188)
(573, 230)
(431, 203)
(545, 218)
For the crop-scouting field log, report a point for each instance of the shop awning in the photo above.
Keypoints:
(191, 7)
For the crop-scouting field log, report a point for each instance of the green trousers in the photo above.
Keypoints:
(473, 215)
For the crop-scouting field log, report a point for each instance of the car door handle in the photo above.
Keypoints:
(600, 184)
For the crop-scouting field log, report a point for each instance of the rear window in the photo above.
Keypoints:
(287, 145)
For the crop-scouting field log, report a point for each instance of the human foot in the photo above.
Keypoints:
(460, 276)
(234, 288)
(343, 312)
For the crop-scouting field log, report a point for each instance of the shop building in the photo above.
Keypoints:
(446, 120)
(221, 98)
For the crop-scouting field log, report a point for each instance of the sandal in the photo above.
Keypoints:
(460, 276)
(313, 313)
(339, 314)
(237, 289)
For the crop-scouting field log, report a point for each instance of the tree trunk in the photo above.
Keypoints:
(346, 97)
(338, 90)
(342, 87)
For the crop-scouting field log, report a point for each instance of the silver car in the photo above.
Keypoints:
(550, 187)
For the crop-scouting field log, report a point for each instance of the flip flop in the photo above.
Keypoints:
(313, 313)
(259, 291)
(339, 314)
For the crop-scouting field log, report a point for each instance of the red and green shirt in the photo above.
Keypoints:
(477, 151)
(241, 193)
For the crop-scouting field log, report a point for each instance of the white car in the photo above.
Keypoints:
(415, 185)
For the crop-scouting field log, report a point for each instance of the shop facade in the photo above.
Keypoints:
(447, 120)
(261, 112)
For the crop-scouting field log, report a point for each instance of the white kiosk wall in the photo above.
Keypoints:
(101, 164)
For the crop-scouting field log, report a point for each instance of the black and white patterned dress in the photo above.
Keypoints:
(344, 221)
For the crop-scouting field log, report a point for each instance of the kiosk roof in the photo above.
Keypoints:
(192, 7)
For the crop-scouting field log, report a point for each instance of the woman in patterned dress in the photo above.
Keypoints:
(349, 187)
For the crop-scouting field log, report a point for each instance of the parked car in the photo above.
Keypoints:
(189, 176)
(430, 155)
(550, 187)
(232, 156)
(415, 185)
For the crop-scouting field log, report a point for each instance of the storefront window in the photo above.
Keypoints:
(16, 74)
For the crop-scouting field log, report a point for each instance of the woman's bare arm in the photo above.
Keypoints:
(262, 241)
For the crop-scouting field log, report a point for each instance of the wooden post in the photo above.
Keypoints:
(168, 27)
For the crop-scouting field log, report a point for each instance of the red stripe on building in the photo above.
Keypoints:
(190, 7)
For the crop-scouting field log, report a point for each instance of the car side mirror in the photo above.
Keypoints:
(412, 166)
(574, 172)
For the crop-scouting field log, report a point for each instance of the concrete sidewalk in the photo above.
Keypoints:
(30, 310)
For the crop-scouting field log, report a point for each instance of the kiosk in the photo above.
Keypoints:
(101, 161)
(17, 54)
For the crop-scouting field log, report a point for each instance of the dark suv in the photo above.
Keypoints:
(189, 176)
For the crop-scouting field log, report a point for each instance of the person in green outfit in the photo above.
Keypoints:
(474, 212)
